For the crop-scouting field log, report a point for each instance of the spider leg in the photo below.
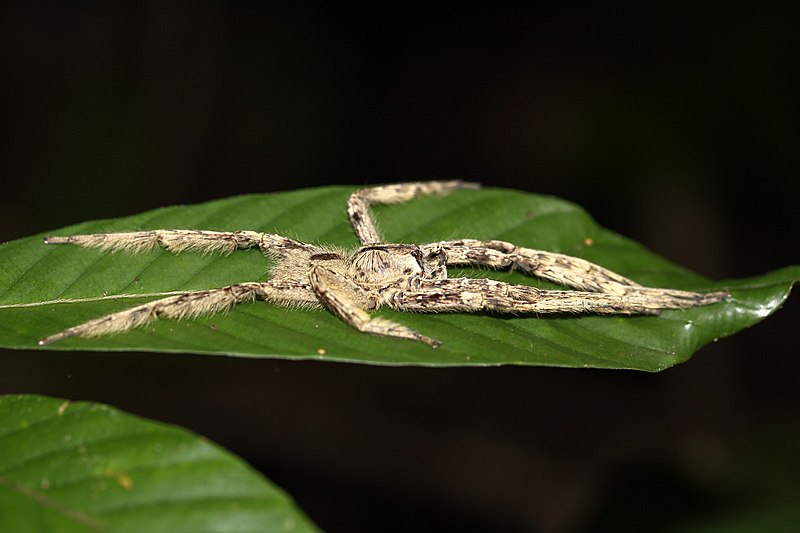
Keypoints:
(466, 294)
(191, 304)
(359, 202)
(348, 301)
(181, 240)
(559, 268)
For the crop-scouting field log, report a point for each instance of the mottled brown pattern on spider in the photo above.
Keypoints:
(400, 276)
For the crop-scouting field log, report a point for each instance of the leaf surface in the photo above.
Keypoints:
(89, 467)
(44, 289)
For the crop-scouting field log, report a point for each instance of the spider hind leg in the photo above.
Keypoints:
(183, 240)
(189, 304)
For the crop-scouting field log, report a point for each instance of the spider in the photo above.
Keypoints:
(406, 277)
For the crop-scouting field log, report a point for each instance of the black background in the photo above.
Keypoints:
(677, 126)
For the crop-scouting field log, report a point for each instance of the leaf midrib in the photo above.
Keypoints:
(67, 511)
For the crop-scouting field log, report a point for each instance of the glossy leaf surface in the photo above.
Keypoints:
(89, 467)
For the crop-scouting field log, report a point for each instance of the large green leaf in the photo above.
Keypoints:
(44, 289)
(89, 467)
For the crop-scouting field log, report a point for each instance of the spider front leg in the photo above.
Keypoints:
(471, 295)
(562, 269)
(559, 268)
(347, 300)
(359, 202)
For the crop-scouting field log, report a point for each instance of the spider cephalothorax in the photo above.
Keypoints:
(406, 277)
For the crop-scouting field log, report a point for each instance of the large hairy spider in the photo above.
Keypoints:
(407, 277)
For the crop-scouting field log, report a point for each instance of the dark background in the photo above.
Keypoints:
(676, 126)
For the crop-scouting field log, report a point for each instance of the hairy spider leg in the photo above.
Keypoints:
(189, 304)
(563, 270)
(348, 301)
(466, 294)
(359, 202)
(192, 304)
(182, 240)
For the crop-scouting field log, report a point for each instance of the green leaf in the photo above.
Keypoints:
(44, 289)
(89, 467)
